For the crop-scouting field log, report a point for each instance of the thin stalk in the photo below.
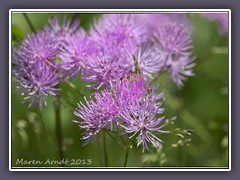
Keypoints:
(99, 150)
(29, 22)
(114, 139)
(122, 139)
(58, 126)
(127, 153)
(105, 150)
(45, 129)
(70, 84)
(126, 157)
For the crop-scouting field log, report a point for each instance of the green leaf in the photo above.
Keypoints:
(16, 33)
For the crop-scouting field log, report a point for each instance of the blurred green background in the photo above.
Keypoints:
(201, 105)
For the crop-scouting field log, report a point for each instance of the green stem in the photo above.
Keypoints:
(126, 157)
(58, 126)
(45, 129)
(127, 153)
(29, 22)
(114, 139)
(105, 150)
(99, 150)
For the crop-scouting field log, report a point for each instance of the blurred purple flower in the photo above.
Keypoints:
(157, 20)
(173, 38)
(151, 22)
(221, 18)
(147, 60)
(180, 68)
(61, 32)
(119, 28)
(118, 32)
(74, 53)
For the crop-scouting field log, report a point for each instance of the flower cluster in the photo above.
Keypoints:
(117, 57)
(35, 68)
(117, 45)
(126, 105)
(44, 58)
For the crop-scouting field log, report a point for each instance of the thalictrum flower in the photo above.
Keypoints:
(38, 47)
(97, 114)
(180, 68)
(127, 105)
(140, 120)
(147, 60)
(36, 81)
(35, 67)
(118, 30)
(102, 68)
(104, 107)
(75, 52)
(173, 38)
(61, 31)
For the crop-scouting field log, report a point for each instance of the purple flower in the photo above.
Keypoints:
(180, 68)
(148, 61)
(151, 22)
(127, 105)
(221, 18)
(39, 47)
(75, 52)
(36, 81)
(35, 67)
(117, 37)
(118, 34)
(128, 90)
(118, 30)
(98, 112)
(139, 119)
(61, 32)
(173, 38)
(103, 68)
(103, 108)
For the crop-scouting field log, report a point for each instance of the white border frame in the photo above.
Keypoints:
(118, 168)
